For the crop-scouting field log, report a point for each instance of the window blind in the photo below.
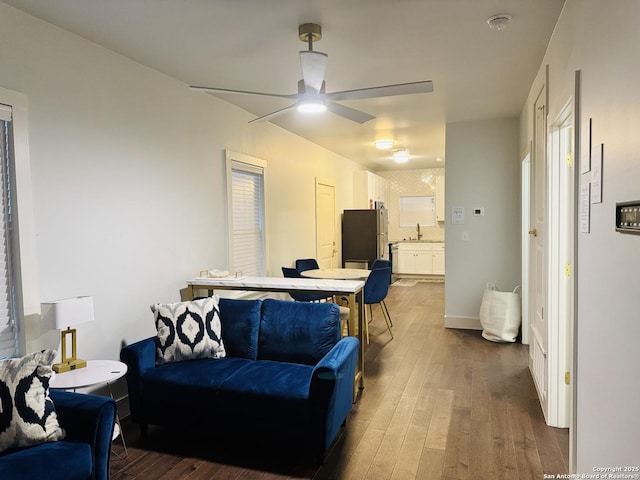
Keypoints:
(5, 113)
(417, 209)
(247, 198)
(8, 323)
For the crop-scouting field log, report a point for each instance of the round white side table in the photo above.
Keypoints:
(97, 372)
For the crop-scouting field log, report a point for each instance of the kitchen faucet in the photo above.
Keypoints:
(419, 234)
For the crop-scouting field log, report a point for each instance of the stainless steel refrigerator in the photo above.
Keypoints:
(364, 236)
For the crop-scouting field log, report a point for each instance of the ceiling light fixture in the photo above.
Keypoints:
(401, 156)
(499, 22)
(384, 144)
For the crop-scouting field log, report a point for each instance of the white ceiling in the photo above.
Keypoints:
(253, 45)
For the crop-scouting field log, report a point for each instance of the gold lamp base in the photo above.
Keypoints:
(68, 366)
(68, 363)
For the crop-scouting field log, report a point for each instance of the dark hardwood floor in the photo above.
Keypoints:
(438, 404)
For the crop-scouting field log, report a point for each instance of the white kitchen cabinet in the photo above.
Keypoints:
(440, 210)
(424, 262)
(415, 258)
(421, 258)
(369, 188)
(406, 261)
(414, 262)
(437, 251)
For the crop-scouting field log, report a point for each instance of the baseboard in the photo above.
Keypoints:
(467, 323)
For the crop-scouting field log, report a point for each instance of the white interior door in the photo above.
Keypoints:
(538, 252)
(326, 224)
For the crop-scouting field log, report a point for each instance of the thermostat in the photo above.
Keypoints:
(478, 211)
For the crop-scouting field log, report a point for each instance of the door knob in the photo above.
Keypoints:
(533, 232)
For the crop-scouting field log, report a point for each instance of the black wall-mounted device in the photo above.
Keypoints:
(628, 217)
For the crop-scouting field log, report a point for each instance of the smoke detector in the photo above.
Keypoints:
(499, 22)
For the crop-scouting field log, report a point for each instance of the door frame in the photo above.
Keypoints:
(525, 173)
(560, 286)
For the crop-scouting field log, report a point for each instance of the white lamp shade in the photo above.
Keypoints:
(60, 314)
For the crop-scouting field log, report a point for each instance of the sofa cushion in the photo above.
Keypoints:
(188, 330)
(67, 460)
(240, 325)
(297, 332)
(268, 390)
(27, 414)
(193, 383)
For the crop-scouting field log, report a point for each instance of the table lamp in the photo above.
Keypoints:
(65, 313)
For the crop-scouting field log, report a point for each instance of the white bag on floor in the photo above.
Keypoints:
(500, 314)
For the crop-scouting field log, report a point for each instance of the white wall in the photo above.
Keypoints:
(603, 44)
(128, 181)
(482, 171)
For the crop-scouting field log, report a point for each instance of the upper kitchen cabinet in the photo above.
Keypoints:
(440, 211)
(369, 188)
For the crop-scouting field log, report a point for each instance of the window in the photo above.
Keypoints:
(8, 319)
(416, 210)
(246, 196)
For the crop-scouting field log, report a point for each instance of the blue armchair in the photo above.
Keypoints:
(83, 454)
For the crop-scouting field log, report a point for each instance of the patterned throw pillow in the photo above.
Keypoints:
(27, 414)
(188, 330)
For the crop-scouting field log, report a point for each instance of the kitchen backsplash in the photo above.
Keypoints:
(411, 182)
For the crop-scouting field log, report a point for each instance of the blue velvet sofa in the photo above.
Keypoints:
(288, 376)
(83, 454)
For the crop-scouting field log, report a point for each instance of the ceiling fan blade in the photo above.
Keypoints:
(241, 92)
(383, 91)
(269, 116)
(313, 66)
(349, 113)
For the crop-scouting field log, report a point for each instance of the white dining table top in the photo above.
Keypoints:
(337, 273)
(282, 284)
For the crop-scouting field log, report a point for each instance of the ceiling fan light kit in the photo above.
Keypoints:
(311, 94)
(312, 107)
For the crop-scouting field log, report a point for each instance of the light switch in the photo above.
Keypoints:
(465, 236)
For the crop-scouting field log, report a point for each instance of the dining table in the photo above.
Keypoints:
(337, 273)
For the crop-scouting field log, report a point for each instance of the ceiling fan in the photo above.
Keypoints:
(311, 94)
